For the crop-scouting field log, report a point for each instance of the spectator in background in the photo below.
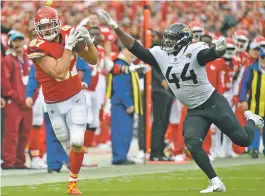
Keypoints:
(254, 82)
(3, 104)
(15, 71)
(162, 100)
(125, 101)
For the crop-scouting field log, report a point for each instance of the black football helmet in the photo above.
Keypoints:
(175, 37)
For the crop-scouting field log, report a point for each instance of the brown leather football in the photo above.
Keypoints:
(80, 46)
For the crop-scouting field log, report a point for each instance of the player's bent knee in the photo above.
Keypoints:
(240, 140)
(77, 137)
(193, 144)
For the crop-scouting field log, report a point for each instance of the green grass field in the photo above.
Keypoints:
(246, 180)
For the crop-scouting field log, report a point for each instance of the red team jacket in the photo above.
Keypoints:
(12, 76)
(53, 89)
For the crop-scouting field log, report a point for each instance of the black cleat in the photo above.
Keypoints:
(54, 170)
(255, 154)
(126, 162)
(160, 158)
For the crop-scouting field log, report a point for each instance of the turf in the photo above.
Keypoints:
(248, 180)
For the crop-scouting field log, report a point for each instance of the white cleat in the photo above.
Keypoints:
(259, 122)
(214, 187)
(232, 154)
(179, 158)
(38, 163)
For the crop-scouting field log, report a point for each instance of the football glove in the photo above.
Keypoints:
(220, 44)
(71, 39)
(112, 23)
(85, 34)
(140, 67)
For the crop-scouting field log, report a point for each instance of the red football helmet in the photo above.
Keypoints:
(260, 40)
(47, 23)
(231, 48)
(197, 30)
(241, 39)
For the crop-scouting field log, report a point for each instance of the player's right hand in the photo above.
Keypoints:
(71, 39)
(220, 44)
(29, 102)
(112, 23)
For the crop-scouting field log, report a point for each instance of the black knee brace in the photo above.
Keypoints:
(36, 126)
(91, 128)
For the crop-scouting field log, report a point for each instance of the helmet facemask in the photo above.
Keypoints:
(174, 42)
(241, 44)
(48, 29)
(230, 52)
(197, 35)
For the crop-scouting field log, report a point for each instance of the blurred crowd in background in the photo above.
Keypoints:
(242, 21)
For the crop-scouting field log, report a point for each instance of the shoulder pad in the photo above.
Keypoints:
(66, 29)
(196, 47)
(36, 48)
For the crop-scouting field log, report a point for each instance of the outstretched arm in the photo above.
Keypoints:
(129, 42)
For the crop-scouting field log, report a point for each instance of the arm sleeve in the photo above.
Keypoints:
(87, 76)
(32, 83)
(143, 54)
(159, 78)
(127, 101)
(245, 84)
(81, 64)
(207, 55)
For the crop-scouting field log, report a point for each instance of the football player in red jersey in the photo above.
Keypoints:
(228, 66)
(55, 63)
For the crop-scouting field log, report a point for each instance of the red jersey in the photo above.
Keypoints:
(213, 70)
(55, 90)
(228, 74)
(244, 58)
(107, 33)
(95, 71)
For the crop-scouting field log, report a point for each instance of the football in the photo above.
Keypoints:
(80, 46)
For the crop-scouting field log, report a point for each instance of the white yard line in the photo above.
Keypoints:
(34, 177)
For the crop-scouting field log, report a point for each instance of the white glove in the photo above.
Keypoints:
(112, 23)
(71, 39)
(144, 68)
(220, 44)
(85, 34)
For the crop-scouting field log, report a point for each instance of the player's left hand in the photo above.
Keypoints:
(85, 34)
(112, 23)
(140, 67)
(220, 44)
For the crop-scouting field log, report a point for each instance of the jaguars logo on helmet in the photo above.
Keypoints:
(175, 37)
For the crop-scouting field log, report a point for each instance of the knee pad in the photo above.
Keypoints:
(77, 136)
(193, 144)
